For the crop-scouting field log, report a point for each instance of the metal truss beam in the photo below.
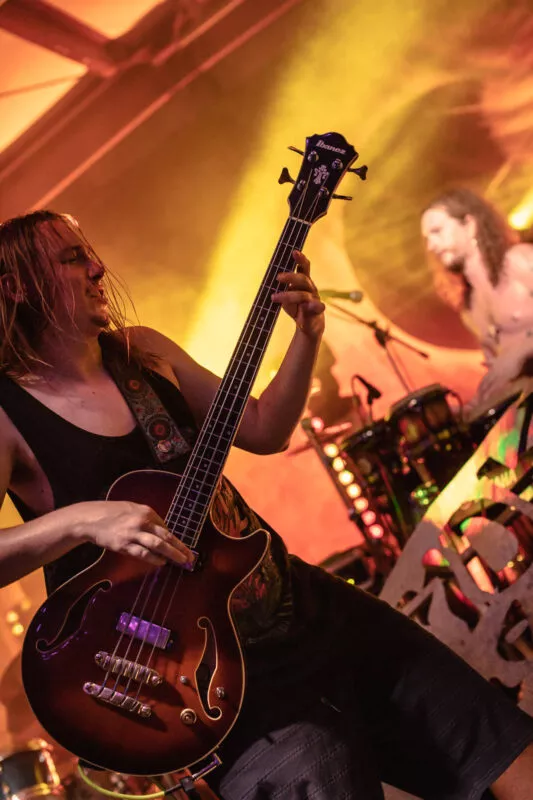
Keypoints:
(100, 112)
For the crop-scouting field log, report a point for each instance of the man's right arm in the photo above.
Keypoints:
(129, 528)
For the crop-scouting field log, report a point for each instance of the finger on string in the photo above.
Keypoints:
(302, 262)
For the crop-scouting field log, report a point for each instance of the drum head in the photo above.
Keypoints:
(416, 399)
(376, 436)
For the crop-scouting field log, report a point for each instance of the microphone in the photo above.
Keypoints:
(373, 393)
(356, 296)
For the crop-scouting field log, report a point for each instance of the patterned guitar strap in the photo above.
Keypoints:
(164, 438)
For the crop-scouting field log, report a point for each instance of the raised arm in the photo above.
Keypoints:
(270, 419)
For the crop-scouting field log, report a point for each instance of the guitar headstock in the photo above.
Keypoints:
(325, 161)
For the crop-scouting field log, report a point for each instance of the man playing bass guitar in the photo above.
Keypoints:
(342, 691)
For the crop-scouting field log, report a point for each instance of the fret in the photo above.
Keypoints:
(185, 517)
(236, 397)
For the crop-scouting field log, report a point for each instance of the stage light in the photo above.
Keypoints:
(331, 450)
(338, 464)
(17, 629)
(346, 477)
(361, 504)
(12, 617)
(353, 490)
(522, 217)
(368, 517)
(376, 531)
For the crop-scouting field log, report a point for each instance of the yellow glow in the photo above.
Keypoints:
(257, 208)
(17, 629)
(338, 464)
(331, 450)
(522, 216)
(11, 617)
(345, 477)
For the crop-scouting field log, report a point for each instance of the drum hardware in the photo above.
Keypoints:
(189, 782)
(432, 438)
(384, 473)
(383, 337)
(373, 394)
(30, 773)
(363, 510)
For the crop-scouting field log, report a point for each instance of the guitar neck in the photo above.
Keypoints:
(191, 504)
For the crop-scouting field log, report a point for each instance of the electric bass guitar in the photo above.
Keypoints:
(138, 669)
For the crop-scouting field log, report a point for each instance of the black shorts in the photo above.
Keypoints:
(356, 695)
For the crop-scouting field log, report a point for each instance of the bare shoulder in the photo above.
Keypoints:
(196, 382)
(165, 352)
(174, 363)
(519, 259)
(152, 341)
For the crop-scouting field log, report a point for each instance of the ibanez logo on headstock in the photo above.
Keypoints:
(321, 171)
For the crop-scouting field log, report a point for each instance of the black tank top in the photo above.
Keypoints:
(81, 466)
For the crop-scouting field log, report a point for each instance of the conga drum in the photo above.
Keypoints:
(430, 435)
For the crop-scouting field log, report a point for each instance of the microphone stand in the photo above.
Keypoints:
(383, 337)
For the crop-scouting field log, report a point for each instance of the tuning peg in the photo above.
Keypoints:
(341, 197)
(295, 150)
(360, 172)
(285, 176)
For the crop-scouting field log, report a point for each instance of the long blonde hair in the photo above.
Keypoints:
(31, 287)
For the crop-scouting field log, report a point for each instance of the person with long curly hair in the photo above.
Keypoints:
(485, 273)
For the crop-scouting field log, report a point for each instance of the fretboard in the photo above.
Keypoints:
(191, 502)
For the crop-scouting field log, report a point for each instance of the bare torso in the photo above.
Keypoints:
(502, 315)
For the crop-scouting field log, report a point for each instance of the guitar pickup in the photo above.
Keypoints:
(148, 632)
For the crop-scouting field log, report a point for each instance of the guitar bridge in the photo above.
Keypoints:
(117, 699)
(128, 669)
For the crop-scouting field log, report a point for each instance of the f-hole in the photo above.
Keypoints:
(74, 619)
(206, 668)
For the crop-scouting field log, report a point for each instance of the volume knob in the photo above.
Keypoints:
(188, 716)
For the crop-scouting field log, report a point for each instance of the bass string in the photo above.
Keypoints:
(170, 569)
